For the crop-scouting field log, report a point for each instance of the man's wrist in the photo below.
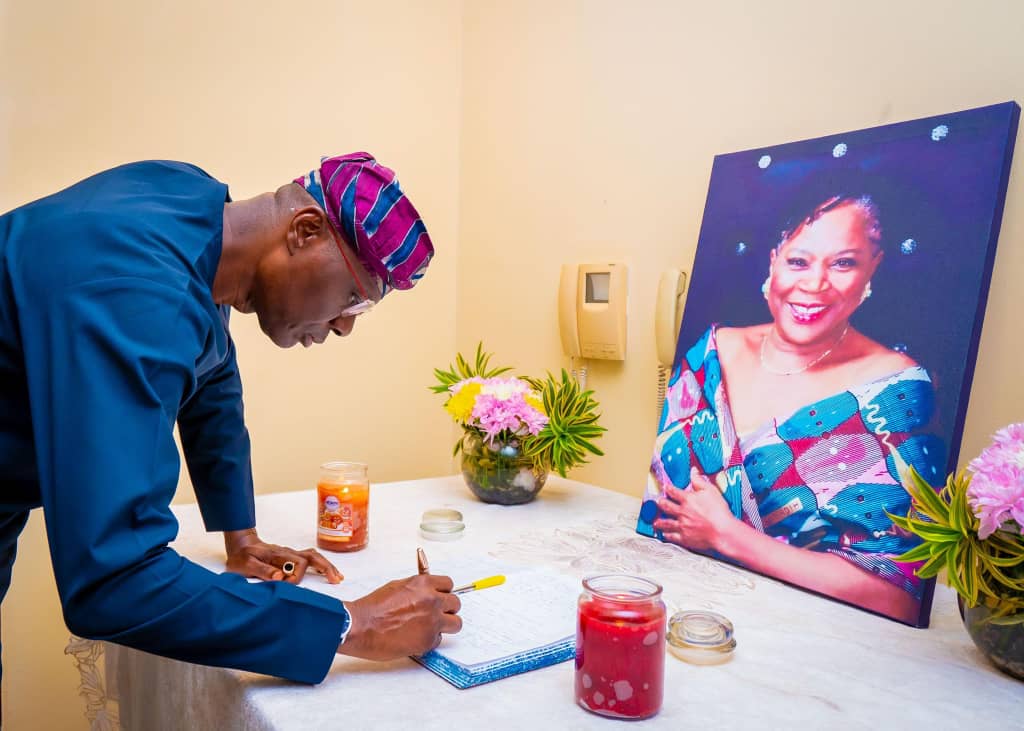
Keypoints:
(235, 539)
(346, 628)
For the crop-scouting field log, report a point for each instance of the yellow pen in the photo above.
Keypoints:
(480, 584)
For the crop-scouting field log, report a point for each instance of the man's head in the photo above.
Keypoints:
(346, 235)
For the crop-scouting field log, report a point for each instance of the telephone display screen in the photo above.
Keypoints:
(597, 286)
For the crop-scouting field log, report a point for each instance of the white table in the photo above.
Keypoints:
(801, 661)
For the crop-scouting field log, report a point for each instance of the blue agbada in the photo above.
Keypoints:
(108, 336)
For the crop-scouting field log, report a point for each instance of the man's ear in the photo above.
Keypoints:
(308, 225)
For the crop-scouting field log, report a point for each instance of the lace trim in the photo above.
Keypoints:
(100, 710)
(614, 546)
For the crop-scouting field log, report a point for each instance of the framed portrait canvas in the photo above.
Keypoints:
(830, 335)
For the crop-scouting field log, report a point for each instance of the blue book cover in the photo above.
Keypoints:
(466, 676)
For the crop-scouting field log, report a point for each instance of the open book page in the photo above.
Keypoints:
(535, 607)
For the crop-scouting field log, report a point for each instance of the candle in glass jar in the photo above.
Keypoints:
(620, 646)
(343, 501)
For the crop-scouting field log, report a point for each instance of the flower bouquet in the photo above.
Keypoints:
(973, 529)
(516, 429)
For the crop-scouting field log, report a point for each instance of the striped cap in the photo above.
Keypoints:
(363, 200)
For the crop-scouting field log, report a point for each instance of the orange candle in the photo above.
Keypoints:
(343, 502)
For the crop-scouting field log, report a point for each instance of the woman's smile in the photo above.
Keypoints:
(805, 314)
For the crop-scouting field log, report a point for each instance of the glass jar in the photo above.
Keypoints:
(343, 502)
(620, 646)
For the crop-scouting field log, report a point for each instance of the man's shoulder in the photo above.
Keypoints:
(156, 168)
(155, 219)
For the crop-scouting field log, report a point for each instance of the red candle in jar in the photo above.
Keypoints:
(620, 646)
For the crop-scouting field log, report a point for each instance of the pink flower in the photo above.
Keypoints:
(503, 406)
(996, 493)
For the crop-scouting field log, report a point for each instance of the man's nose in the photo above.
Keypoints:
(342, 326)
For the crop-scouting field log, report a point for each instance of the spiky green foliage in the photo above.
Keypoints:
(566, 439)
(463, 370)
(989, 571)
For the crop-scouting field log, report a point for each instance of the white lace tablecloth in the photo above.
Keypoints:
(801, 660)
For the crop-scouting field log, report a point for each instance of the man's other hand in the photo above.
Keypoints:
(251, 557)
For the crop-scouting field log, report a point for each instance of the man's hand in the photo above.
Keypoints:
(251, 557)
(403, 617)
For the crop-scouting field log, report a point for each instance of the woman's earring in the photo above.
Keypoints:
(866, 293)
(766, 285)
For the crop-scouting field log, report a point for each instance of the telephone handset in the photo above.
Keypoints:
(567, 324)
(668, 315)
(592, 305)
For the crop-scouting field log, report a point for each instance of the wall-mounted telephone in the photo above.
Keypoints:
(592, 305)
(668, 314)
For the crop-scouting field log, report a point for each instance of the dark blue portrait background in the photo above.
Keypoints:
(939, 184)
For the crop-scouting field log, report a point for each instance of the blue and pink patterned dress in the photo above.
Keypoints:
(821, 478)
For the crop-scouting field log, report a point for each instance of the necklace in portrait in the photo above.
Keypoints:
(827, 353)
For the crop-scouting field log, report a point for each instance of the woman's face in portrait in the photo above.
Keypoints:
(820, 273)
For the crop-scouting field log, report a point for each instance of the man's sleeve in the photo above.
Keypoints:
(107, 364)
(216, 445)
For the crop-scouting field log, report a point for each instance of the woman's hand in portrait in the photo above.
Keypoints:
(696, 518)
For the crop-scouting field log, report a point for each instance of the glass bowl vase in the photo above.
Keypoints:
(497, 472)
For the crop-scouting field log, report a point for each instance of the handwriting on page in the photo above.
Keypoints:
(531, 609)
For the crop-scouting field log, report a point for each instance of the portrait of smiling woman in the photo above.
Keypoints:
(797, 421)
(828, 341)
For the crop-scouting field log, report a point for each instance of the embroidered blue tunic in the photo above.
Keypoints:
(108, 336)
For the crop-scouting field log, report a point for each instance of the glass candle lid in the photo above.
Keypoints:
(700, 637)
(441, 524)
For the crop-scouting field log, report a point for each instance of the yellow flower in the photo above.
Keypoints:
(461, 404)
(535, 402)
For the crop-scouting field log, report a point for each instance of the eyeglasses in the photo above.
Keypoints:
(363, 305)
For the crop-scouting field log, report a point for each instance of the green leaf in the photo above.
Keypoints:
(1005, 561)
(934, 533)
(933, 565)
(952, 575)
(925, 498)
(969, 569)
(918, 553)
(957, 501)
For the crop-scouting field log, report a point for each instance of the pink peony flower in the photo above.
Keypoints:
(996, 493)
(502, 406)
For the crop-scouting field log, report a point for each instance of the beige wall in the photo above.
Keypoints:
(528, 132)
(589, 131)
(254, 92)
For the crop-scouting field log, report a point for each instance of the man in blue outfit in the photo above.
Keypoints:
(114, 303)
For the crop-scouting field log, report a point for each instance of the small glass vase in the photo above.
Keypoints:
(497, 472)
(1002, 644)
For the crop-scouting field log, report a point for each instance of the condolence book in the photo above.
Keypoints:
(526, 623)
